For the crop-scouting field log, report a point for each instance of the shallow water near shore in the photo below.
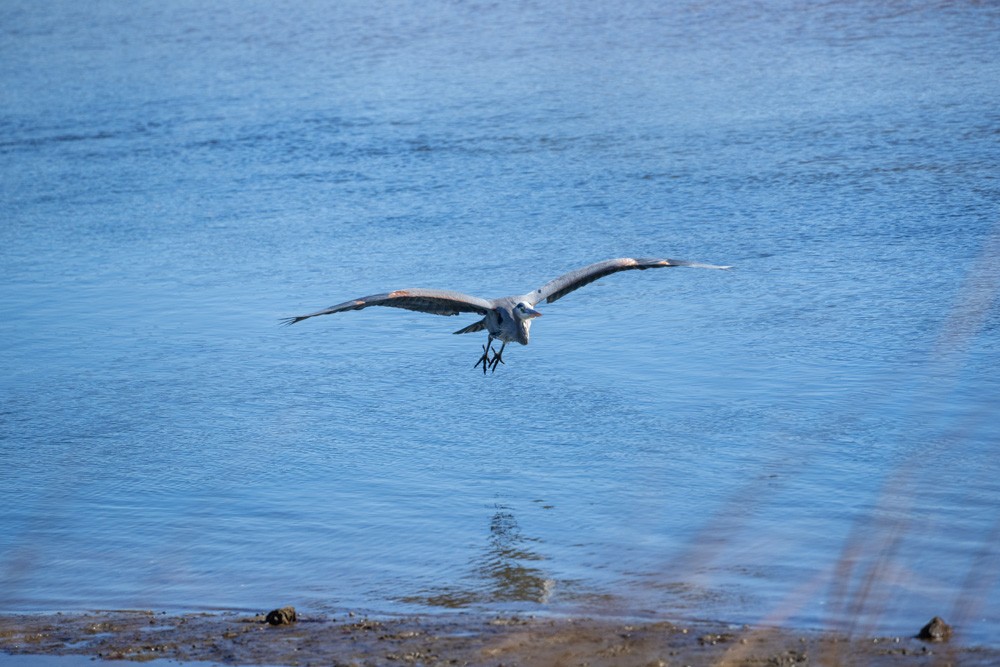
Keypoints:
(806, 440)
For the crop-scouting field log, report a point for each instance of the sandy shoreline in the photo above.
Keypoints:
(456, 640)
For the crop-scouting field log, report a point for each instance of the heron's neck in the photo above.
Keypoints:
(524, 331)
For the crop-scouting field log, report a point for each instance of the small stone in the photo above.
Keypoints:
(283, 616)
(935, 631)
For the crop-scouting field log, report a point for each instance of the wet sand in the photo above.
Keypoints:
(459, 639)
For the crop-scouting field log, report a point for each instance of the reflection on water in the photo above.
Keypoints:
(501, 573)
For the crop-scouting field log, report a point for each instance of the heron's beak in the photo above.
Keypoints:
(530, 313)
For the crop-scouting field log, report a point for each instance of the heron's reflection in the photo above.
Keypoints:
(504, 564)
(502, 573)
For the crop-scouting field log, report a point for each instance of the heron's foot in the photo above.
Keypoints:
(497, 359)
(485, 359)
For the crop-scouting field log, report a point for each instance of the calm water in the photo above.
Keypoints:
(810, 439)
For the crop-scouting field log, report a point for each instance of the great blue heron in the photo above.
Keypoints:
(507, 319)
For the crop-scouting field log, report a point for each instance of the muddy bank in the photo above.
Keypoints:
(455, 640)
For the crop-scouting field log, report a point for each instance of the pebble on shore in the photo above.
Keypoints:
(283, 616)
(935, 631)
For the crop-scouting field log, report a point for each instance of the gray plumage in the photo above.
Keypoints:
(507, 319)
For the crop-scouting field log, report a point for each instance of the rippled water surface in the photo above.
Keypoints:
(809, 439)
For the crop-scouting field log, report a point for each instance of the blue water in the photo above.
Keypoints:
(809, 439)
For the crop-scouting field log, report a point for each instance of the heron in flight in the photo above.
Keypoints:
(506, 319)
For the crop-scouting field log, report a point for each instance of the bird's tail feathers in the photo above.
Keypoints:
(472, 328)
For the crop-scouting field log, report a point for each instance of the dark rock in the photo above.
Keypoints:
(283, 616)
(935, 631)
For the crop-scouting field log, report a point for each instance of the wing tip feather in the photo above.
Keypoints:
(693, 265)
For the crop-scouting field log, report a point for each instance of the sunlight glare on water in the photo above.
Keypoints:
(806, 439)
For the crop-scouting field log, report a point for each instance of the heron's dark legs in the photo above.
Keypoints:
(485, 359)
(491, 362)
(497, 359)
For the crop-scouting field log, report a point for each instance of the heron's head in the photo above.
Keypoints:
(525, 312)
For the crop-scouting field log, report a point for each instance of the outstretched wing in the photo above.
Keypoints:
(574, 280)
(434, 301)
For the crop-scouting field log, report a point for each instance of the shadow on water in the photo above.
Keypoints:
(502, 572)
